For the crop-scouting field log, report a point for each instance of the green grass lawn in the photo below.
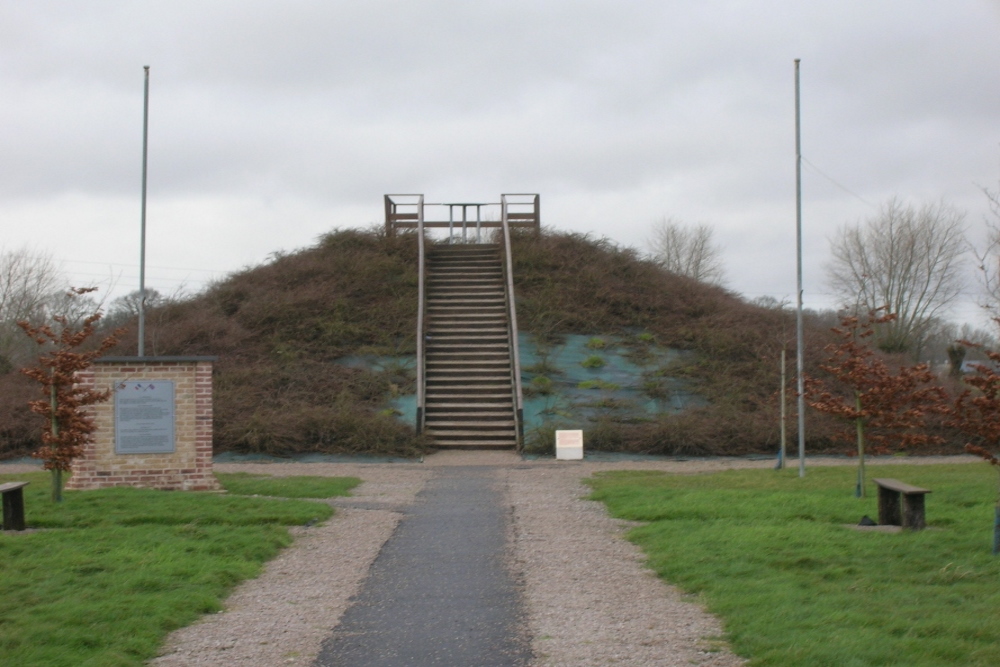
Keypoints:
(247, 484)
(770, 554)
(116, 570)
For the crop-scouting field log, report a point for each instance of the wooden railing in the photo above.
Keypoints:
(401, 213)
(508, 265)
(407, 211)
(421, 309)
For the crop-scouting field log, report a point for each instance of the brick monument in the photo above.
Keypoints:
(156, 429)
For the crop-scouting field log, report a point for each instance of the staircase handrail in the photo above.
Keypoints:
(514, 349)
(421, 307)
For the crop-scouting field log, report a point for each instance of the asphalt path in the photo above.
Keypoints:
(440, 591)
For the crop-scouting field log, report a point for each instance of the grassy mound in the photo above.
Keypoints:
(574, 284)
(278, 330)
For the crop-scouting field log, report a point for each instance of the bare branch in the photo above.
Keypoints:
(905, 259)
(687, 250)
(988, 261)
(28, 281)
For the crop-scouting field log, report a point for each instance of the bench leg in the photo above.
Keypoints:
(13, 510)
(888, 508)
(913, 511)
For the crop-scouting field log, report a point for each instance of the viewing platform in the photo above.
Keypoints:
(407, 211)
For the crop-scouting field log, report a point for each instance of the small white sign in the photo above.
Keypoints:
(569, 445)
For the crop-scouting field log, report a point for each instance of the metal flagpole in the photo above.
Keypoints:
(799, 338)
(142, 238)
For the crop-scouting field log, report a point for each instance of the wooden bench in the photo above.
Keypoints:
(13, 505)
(890, 513)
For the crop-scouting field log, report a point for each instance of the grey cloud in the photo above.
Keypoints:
(646, 108)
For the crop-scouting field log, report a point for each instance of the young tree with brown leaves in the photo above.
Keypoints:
(69, 427)
(886, 409)
(976, 412)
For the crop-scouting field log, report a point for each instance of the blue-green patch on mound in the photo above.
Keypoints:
(573, 381)
(565, 383)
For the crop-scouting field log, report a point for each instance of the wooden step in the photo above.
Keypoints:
(446, 309)
(472, 281)
(475, 446)
(484, 267)
(469, 352)
(469, 394)
(457, 360)
(473, 434)
(465, 405)
(444, 370)
(472, 327)
(465, 300)
(451, 369)
(468, 357)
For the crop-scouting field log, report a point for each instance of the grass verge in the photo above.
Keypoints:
(115, 570)
(774, 556)
(248, 484)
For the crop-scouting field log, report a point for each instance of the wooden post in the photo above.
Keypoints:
(888, 508)
(390, 229)
(13, 505)
(913, 511)
(996, 531)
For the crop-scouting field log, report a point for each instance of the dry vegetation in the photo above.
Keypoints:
(569, 283)
(279, 328)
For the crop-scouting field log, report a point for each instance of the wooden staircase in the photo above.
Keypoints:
(469, 400)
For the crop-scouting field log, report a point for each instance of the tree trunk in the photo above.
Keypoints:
(956, 356)
(56, 472)
(57, 485)
(859, 422)
(784, 413)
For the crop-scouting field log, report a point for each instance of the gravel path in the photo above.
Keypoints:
(589, 599)
(283, 616)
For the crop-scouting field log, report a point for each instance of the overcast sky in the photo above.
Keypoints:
(274, 122)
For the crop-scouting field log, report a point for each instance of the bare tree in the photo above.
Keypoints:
(982, 338)
(125, 308)
(906, 260)
(687, 250)
(28, 282)
(989, 259)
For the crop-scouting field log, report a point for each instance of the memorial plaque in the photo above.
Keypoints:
(144, 417)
